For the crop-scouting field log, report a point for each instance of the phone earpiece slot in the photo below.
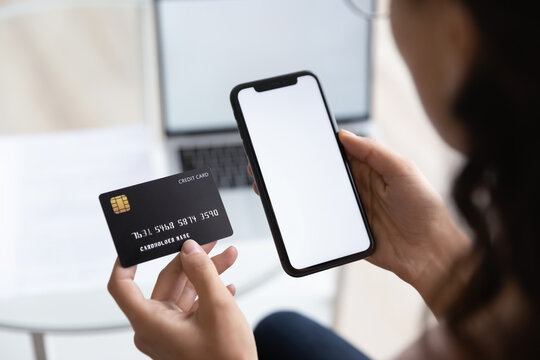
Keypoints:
(276, 84)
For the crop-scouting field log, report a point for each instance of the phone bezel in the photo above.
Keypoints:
(274, 83)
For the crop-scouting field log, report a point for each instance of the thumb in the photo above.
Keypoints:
(202, 273)
(377, 156)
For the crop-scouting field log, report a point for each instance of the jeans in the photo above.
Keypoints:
(288, 335)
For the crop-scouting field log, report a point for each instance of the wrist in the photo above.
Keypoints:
(431, 272)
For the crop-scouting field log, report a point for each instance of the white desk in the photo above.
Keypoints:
(93, 310)
(57, 253)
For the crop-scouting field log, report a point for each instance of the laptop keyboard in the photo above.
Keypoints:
(228, 164)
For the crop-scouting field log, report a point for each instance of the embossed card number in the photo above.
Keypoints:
(153, 219)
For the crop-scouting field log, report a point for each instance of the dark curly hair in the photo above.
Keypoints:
(498, 190)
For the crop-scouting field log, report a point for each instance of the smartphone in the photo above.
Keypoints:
(300, 168)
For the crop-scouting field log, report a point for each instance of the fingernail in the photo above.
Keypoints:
(191, 247)
(346, 132)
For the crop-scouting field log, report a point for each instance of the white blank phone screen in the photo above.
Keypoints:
(306, 178)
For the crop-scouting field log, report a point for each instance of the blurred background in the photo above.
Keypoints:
(97, 95)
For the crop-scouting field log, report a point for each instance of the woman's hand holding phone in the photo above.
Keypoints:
(416, 238)
(174, 324)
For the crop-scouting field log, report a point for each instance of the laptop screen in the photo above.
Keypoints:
(207, 47)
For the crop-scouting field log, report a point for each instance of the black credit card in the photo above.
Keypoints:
(153, 219)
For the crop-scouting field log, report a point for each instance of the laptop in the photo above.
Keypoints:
(206, 47)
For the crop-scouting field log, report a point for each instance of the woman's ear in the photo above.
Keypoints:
(438, 40)
(458, 45)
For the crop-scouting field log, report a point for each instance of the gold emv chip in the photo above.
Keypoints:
(120, 204)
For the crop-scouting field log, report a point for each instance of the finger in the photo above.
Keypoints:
(250, 172)
(222, 262)
(187, 297)
(208, 247)
(369, 151)
(170, 282)
(202, 273)
(125, 292)
(360, 173)
(256, 189)
(171, 279)
(230, 287)
(367, 180)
